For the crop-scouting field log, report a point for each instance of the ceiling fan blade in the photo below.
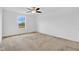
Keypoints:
(28, 11)
(38, 11)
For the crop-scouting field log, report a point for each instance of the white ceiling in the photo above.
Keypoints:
(44, 9)
(16, 9)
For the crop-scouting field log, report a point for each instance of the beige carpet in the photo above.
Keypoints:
(37, 42)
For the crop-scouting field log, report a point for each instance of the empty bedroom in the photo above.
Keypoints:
(39, 28)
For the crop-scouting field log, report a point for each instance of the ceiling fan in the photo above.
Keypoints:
(33, 10)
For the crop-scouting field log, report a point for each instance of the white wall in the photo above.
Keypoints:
(61, 22)
(0, 24)
(10, 23)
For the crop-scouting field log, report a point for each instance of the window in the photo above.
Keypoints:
(21, 21)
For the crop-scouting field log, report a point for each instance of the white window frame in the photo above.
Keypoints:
(18, 24)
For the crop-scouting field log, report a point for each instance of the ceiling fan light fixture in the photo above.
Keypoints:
(33, 11)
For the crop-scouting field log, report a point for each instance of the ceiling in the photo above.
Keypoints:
(43, 9)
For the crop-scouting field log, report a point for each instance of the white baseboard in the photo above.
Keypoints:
(62, 37)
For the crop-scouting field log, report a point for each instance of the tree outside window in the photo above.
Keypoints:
(21, 21)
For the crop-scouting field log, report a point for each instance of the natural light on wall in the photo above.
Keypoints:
(21, 22)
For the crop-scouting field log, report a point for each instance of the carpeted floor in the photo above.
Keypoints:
(37, 42)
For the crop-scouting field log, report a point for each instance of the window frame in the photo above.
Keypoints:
(18, 22)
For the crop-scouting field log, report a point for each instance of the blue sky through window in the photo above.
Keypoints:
(21, 19)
